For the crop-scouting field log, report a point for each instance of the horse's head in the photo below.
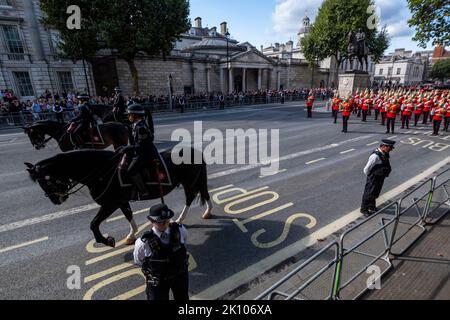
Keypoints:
(55, 188)
(37, 137)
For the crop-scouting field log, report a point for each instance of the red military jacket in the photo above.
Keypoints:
(310, 102)
(365, 104)
(347, 109)
(392, 111)
(336, 102)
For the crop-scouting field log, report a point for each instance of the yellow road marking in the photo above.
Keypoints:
(241, 224)
(221, 188)
(107, 272)
(21, 245)
(123, 217)
(315, 161)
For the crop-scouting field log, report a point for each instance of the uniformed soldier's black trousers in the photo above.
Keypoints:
(364, 115)
(446, 123)
(372, 192)
(377, 114)
(179, 286)
(309, 112)
(405, 122)
(436, 126)
(426, 114)
(335, 114)
(345, 124)
(390, 125)
(416, 119)
(383, 118)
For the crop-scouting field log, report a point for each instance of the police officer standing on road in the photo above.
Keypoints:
(163, 256)
(378, 168)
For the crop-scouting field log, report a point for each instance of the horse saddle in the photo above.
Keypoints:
(152, 175)
(87, 138)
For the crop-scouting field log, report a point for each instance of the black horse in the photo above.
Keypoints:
(112, 133)
(98, 170)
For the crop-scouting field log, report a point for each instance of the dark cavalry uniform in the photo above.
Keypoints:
(143, 148)
(375, 180)
(79, 126)
(167, 267)
(120, 108)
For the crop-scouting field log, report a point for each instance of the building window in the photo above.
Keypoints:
(381, 71)
(399, 70)
(390, 71)
(23, 83)
(65, 81)
(14, 44)
(6, 3)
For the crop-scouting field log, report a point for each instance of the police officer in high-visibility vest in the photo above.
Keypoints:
(162, 254)
(378, 168)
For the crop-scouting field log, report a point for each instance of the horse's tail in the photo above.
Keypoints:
(200, 186)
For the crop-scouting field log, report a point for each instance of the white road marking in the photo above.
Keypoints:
(216, 291)
(12, 134)
(288, 157)
(373, 143)
(315, 161)
(348, 151)
(25, 244)
(48, 217)
(72, 211)
(4, 175)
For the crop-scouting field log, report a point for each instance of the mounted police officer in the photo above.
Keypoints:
(81, 123)
(119, 107)
(378, 168)
(142, 152)
(162, 254)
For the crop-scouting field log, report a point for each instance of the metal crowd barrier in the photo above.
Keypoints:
(400, 225)
(356, 255)
(308, 284)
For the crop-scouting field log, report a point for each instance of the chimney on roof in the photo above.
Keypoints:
(198, 22)
(223, 28)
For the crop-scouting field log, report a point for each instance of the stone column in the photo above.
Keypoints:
(244, 79)
(231, 81)
(222, 81)
(38, 50)
(259, 78)
(278, 79)
(208, 79)
(193, 78)
(269, 79)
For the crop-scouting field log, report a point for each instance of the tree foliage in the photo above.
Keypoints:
(127, 27)
(431, 18)
(441, 70)
(335, 19)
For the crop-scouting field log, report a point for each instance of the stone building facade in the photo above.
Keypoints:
(207, 60)
(28, 54)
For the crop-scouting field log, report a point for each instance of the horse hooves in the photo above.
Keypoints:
(130, 241)
(111, 242)
(207, 216)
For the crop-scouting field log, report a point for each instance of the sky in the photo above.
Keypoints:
(263, 22)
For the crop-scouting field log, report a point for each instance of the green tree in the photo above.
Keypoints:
(128, 28)
(431, 18)
(335, 20)
(441, 70)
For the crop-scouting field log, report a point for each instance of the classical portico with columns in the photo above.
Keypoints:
(209, 60)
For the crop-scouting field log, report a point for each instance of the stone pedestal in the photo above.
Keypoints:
(351, 81)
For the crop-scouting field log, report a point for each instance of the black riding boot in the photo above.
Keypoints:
(140, 185)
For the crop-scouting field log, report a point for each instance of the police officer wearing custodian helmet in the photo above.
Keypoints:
(378, 168)
(163, 256)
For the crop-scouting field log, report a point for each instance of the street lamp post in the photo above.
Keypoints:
(170, 92)
(227, 35)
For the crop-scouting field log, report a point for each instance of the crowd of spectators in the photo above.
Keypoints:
(50, 106)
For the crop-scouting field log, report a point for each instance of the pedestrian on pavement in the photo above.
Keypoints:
(163, 256)
(378, 168)
(310, 104)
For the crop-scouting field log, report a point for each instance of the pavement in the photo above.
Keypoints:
(260, 221)
(423, 271)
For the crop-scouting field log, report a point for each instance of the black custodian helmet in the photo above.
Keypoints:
(136, 109)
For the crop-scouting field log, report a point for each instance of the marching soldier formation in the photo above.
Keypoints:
(407, 106)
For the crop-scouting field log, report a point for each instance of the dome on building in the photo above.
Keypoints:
(306, 26)
(215, 43)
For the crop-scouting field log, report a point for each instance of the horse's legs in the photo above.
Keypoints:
(131, 237)
(183, 214)
(101, 216)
